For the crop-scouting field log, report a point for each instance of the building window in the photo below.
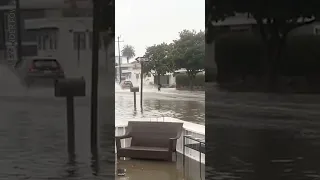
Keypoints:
(44, 40)
(79, 40)
(137, 76)
(53, 40)
(39, 42)
(47, 40)
(50, 41)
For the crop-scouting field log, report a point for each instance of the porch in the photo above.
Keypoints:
(190, 166)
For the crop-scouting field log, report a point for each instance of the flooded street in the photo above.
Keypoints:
(259, 136)
(255, 136)
(33, 129)
(187, 106)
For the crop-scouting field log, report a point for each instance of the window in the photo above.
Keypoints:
(137, 76)
(39, 42)
(53, 40)
(50, 42)
(79, 40)
(47, 40)
(44, 40)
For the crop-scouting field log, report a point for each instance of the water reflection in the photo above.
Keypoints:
(250, 154)
(262, 136)
(72, 168)
(95, 163)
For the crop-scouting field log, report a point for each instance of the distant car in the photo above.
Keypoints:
(36, 68)
(126, 84)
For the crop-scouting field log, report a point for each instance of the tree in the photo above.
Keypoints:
(128, 51)
(189, 52)
(159, 62)
(275, 20)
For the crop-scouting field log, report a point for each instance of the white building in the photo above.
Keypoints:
(63, 30)
(132, 72)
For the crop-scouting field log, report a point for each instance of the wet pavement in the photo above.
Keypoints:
(262, 136)
(187, 106)
(33, 128)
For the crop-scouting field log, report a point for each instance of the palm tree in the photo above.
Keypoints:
(128, 51)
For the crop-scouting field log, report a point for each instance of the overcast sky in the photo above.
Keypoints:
(143, 23)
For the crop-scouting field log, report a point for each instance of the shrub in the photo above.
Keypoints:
(241, 54)
(182, 80)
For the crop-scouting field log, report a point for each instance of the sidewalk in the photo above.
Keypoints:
(173, 91)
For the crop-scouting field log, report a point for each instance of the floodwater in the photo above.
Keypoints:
(33, 128)
(259, 136)
(184, 105)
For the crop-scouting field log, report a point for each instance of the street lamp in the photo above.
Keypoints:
(142, 60)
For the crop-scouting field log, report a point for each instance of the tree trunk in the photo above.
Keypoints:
(191, 83)
(191, 79)
(158, 77)
(275, 47)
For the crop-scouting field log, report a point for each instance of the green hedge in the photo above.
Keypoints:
(182, 80)
(242, 53)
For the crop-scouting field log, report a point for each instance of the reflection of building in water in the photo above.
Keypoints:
(63, 30)
(245, 23)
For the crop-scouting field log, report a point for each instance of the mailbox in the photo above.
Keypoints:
(70, 87)
(134, 89)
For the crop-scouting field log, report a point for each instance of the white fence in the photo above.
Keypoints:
(192, 129)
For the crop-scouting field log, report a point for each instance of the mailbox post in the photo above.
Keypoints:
(70, 88)
(142, 60)
(134, 90)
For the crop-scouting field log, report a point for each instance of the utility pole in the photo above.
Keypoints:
(94, 80)
(141, 85)
(18, 20)
(119, 61)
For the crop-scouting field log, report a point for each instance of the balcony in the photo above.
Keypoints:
(191, 169)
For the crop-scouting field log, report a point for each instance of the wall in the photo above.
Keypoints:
(66, 54)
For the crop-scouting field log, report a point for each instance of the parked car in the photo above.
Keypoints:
(37, 68)
(126, 84)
